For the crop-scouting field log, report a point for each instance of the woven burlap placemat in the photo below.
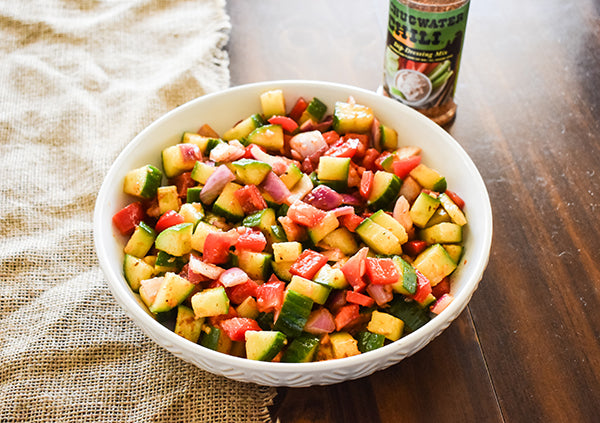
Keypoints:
(78, 80)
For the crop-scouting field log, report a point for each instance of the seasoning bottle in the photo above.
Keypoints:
(422, 54)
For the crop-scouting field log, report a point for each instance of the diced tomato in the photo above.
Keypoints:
(288, 124)
(456, 198)
(402, 167)
(216, 246)
(129, 217)
(423, 287)
(236, 327)
(250, 199)
(346, 315)
(293, 231)
(183, 182)
(414, 247)
(269, 296)
(368, 161)
(354, 269)
(190, 153)
(442, 287)
(298, 109)
(308, 264)
(366, 183)
(381, 271)
(350, 221)
(252, 240)
(305, 214)
(216, 320)
(237, 294)
(168, 219)
(343, 148)
(362, 145)
(331, 137)
(360, 299)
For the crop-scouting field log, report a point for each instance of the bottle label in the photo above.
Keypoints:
(422, 54)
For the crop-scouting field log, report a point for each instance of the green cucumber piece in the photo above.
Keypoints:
(192, 212)
(136, 270)
(388, 222)
(272, 103)
(389, 138)
(244, 128)
(384, 191)
(333, 169)
(369, 341)
(268, 136)
(250, 171)
(315, 111)
(210, 302)
(428, 178)
(453, 210)
(187, 325)
(291, 176)
(331, 277)
(193, 195)
(227, 205)
(140, 241)
(423, 209)
(201, 172)
(264, 345)
(442, 233)
(172, 292)
(455, 251)
(175, 240)
(256, 265)
(168, 198)
(378, 238)
(435, 263)
(342, 239)
(408, 283)
(293, 314)
(262, 219)
(302, 349)
(193, 138)
(142, 182)
(215, 339)
(348, 117)
(165, 262)
(328, 224)
(282, 269)
(317, 292)
(409, 312)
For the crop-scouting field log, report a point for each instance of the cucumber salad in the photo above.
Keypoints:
(295, 236)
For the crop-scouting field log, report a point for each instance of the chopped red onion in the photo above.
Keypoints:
(215, 184)
(199, 271)
(275, 187)
(382, 294)
(342, 211)
(352, 200)
(319, 322)
(324, 198)
(233, 276)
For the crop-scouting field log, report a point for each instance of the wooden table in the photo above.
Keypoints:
(527, 348)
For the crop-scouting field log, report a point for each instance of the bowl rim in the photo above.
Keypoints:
(125, 297)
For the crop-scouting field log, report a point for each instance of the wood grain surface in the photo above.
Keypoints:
(527, 348)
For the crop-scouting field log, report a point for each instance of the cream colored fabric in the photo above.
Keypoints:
(78, 79)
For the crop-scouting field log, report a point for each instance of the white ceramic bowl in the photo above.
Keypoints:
(221, 111)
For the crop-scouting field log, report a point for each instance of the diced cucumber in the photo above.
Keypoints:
(317, 292)
(331, 277)
(378, 238)
(293, 314)
(179, 158)
(454, 251)
(384, 190)
(439, 216)
(250, 171)
(227, 205)
(315, 111)
(302, 349)
(256, 265)
(275, 234)
(200, 233)
(212, 143)
(442, 233)
(302, 187)
(435, 263)
(175, 240)
(333, 168)
(192, 194)
(200, 140)
(215, 339)
(262, 219)
(168, 198)
(140, 241)
(142, 182)
(428, 178)
(386, 163)
(192, 212)
(248, 308)
(149, 288)
(453, 210)
(210, 302)
(264, 345)
(389, 138)
(343, 345)
(291, 176)
(201, 172)
(172, 292)
(385, 324)
(187, 325)
(167, 263)
(272, 103)
(243, 128)
(388, 222)
(349, 117)
(136, 270)
(407, 284)
(409, 312)
(369, 341)
(327, 225)
(342, 239)
(423, 208)
(268, 136)
(286, 251)
(282, 269)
